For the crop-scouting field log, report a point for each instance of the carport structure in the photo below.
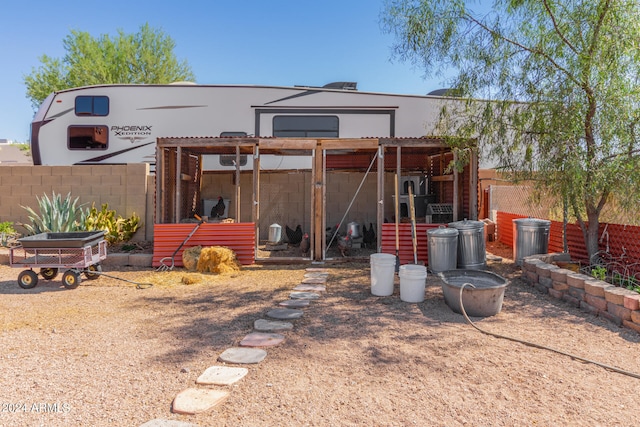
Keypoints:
(337, 179)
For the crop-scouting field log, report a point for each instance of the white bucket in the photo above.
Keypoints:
(383, 268)
(413, 280)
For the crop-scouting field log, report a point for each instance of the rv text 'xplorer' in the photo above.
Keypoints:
(118, 124)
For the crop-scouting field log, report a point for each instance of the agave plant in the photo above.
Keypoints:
(57, 215)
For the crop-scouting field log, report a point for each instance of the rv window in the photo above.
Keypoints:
(88, 137)
(230, 159)
(92, 106)
(306, 126)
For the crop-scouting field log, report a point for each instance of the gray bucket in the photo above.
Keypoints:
(472, 253)
(443, 248)
(530, 237)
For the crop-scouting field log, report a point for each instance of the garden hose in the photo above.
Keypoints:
(530, 344)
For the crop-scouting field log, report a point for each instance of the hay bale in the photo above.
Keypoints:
(190, 257)
(217, 259)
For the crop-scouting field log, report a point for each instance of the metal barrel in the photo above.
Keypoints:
(530, 237)
(472, 253)
(442, 248)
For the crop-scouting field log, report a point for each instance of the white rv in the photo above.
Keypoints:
(117, 124)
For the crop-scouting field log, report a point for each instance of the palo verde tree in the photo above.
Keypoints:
(560, 80)
(144, 57)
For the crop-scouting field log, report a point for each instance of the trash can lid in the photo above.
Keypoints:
(467, 224)
(442, 232)
(531, 221)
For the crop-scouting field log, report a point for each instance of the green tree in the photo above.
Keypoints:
(561, 83)
(144, 57)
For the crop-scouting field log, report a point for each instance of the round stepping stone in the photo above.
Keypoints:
(242, 355)
(261, 339)
(317, 270)
(316, 275)
(221, 375)
(304, 295)
(295, 303)
(314, 288)
(159, 422)
(285, 313)
(197, 400)
(314, 281)
(271, 325)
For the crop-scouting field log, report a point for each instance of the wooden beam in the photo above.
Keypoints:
(287, 144)
(349, 144)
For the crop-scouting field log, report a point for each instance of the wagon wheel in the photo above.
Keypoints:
(93, 271)
(48, 273)
(71, 279)
(27, 279)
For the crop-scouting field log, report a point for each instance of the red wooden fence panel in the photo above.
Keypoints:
(239, 237)
(388, 243)
(612, 238)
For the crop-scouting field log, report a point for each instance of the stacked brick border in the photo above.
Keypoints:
(618, 305)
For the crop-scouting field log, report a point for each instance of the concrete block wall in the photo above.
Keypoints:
(619, 305)
(127, 189)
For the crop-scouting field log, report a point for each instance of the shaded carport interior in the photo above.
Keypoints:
(179, 178)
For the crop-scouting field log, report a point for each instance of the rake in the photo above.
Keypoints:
(163, 262)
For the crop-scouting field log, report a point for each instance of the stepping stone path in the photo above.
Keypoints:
(271, 325)
(261, 339)
(311, 288)
(242, 355)
(314, 281)
(295, 303)
(285, 313)
(304, 295)
(221, 375)
(197, 400)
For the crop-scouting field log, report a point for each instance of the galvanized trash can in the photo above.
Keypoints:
(530, 237)
(442, 248)
(472, 253)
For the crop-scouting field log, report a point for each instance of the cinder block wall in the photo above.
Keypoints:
(127, 189)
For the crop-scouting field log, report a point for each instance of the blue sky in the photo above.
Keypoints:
(272, 42)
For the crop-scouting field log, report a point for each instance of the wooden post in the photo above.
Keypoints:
(255, 211)
(237, 175)
(318, 202)
(380, 208)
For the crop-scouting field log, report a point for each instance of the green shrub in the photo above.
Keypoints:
(117, 229)
(6, 231)
(57, 215)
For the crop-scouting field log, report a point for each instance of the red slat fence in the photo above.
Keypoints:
(388, 243)
(617, 240)
(239, 237)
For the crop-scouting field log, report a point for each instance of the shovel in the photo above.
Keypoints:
(413, 227)
(397, 219)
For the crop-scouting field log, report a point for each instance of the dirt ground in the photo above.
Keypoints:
(110, 354)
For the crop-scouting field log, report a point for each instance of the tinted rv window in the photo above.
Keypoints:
(305, 126)
(88, 137)
(230, 159)
(92, 106)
